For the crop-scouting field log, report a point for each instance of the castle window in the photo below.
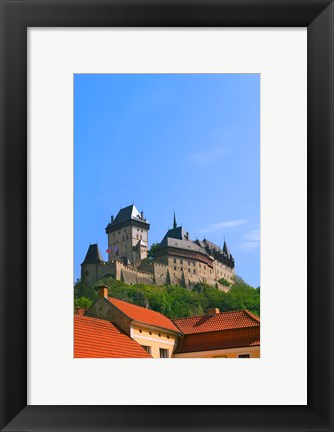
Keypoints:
(137, 236)
(200, 265)
(181, 268)
(181, 261)
(141, 237)
(188, 262)
(189, 270)
(174, 267)
(140, 331)
(194, 271)
(174, 260)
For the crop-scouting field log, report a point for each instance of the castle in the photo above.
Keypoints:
(177, 259)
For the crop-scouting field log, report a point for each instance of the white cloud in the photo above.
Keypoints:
(220, 226)
(251, 240)
(208, 157)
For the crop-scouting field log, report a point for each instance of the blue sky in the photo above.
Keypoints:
(165, 142)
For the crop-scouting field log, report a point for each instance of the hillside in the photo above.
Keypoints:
(175, 301)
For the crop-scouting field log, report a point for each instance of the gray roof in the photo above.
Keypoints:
(128, 213)
(93, 255)
(226, 250)
(211, 247)
(175, 233)
(178, 238)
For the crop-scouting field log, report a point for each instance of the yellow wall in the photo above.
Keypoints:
(228, 353)
(151, 338)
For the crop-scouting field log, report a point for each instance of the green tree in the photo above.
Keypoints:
(152, 252)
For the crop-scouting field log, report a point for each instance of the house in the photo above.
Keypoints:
(234, 334)
(95, 338)
(156, 333)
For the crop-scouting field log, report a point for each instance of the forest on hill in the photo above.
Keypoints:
(174, 301)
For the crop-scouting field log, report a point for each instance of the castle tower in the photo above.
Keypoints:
(128, 236)
(90, 265)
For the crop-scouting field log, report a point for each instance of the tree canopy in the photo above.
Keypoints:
(177, 302)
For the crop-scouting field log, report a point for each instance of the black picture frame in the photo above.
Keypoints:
(16, 17)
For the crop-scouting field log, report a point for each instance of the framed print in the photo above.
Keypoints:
(43, 386)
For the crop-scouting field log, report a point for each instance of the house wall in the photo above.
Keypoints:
(155, 339)
(103, 309)
(228, 353)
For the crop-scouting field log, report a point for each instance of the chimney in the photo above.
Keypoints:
(213, 311)
(142, 214)
(103, 292)
(112, 218)
(81, 311)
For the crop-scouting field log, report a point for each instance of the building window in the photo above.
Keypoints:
(174, 260)
(174, 267)
(137, 236)
(181, 268)
(193, 264)
(147, 348)
(181, 261)
(188, 262)
(189, 270)
(150, 333)
(140, 331)
(200, 266)
(194, 271)
(244, 355)
(163, 353)
(159, 335)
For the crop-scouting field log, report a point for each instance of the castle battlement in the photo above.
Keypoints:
(178, 260)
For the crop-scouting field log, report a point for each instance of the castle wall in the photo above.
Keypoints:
(223, 271)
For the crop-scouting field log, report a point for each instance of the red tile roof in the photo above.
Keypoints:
(215, 340)
(220, 321)
(143, 315)
(100, 338)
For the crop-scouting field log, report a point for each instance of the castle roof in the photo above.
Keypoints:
(125, 215)
(128, 213)
(93, 255)
(97, 338)
(226, 250)
(178, 238)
